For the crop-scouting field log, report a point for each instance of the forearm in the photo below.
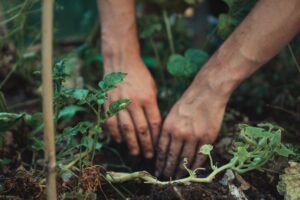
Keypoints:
(119, 40)
(264, 32)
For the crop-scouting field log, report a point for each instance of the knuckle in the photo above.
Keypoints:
(155, 123)
(127, 127)
(142, 129)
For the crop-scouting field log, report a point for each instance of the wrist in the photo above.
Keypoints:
(120, 53)
(225, 70)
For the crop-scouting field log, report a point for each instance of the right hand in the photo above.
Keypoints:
(141, 120)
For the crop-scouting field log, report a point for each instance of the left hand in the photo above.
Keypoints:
(194, 120)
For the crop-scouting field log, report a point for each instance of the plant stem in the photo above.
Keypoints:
(49, 138)
(78, 158)
(117, 177)
(169, 31)
(294, 57)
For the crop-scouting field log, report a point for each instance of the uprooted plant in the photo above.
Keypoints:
(254, 148)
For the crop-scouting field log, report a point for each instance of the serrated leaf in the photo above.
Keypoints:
(110, 80)
(88, 142)
(206, 149)
(69, 111)
(242, 154)
(276, 138)
(181, 67)
(176, 65)
(78, 94)
(8, 120)
(81, 127)
(116, 106)
(284, 151)
(196, 56)
(257, 132)
(187, 65)
(35, 120)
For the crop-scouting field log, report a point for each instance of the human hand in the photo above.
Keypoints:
(194, 120)
(140, 122)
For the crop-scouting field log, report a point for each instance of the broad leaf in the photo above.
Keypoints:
(110, 80)
(69, 111)
(196, 56)
(116, 106)
(187, 65)
(242, 154)
(284, 151)
(8, 120)
(206, 149)
(78, 94)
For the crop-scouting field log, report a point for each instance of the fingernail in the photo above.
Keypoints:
(134, 152)
(149, 155)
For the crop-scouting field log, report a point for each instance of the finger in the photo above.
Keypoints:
(173, 154)
(199, 160)
(112, 126)
(154, 120)
(162, 149)
(128, 131)
(188, 154)
(142, 130)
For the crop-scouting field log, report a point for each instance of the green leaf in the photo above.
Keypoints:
(110, 80)
(88, 142)
(78, 94)
(69, 111)
(38, 144)
(149, 25)
(242, 154)
(226, 25)
(206, 149)
(196, 56)
(177, 65)
(8, 120)
(256, 132)
(284, 151)
(35, 120)
(187, 65)
(81, 127)
(116, 106)
(276, 138)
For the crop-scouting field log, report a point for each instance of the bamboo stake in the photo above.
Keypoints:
(47, 31)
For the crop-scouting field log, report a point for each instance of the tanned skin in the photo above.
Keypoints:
(197, 116)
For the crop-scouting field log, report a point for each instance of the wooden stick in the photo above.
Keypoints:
(49, 138)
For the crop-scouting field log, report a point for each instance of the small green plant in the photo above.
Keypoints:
(79, 142)
(188, 65)
(254, 148)
(69, 101)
